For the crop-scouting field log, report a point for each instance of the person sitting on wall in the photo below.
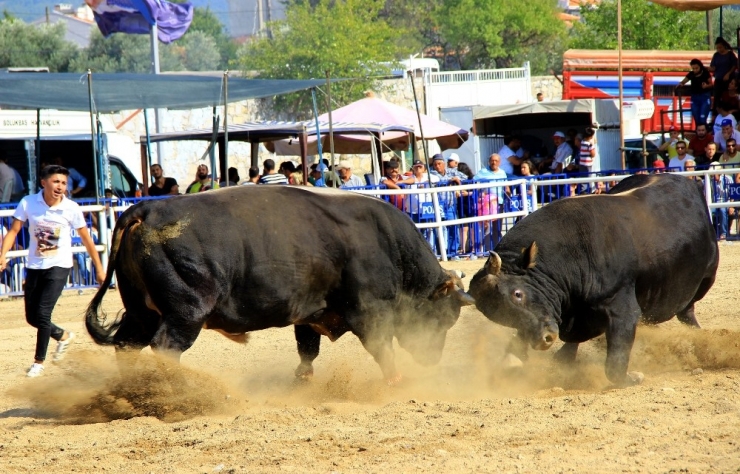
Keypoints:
(162, 186)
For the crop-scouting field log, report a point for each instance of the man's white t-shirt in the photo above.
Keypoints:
(50, 229)
(505, 153)
(679, 163)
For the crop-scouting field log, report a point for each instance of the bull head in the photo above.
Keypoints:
(452, 287)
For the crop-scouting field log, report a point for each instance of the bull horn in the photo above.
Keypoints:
(493, 264)
(465, 298)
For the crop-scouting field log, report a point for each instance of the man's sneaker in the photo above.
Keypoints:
(36, 370)
(62, 347)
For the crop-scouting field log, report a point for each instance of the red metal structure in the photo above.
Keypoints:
(652, 75)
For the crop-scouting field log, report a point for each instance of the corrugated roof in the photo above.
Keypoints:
(600, 59)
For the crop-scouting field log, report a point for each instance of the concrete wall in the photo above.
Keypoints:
(550, 87)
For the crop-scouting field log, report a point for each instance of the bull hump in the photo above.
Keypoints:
(152, 236)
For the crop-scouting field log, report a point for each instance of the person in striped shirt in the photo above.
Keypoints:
(269, 175)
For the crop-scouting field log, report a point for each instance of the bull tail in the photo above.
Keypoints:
(95, 319)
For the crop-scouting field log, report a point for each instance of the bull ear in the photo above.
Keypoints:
(493, 264)
(444, 289)
(529, 256)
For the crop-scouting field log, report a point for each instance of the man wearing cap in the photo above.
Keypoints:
(670, 145)
(723, 113)
(563, 153)
(728, 131)
(678, 163)
(346, 178)
(392, 179)
(452, 161)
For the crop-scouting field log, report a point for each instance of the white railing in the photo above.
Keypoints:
(529, 204)
(481, 75)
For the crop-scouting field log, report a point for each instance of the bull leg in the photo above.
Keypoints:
(172, 340)
(623, 314)
(567, 353)
(381, 348)
(688, 317)
(309, 342)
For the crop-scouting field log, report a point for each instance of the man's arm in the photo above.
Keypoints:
(175, 189)
(81, 181)
(8, 241)
(89, 244)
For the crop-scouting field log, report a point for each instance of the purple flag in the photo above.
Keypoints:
(138, 16)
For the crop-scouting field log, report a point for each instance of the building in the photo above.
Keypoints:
(79, 22)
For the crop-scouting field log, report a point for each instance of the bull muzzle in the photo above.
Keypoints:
(546, 341)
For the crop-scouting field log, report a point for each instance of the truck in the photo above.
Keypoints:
(27, 143)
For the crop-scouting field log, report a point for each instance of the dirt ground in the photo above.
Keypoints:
(237, 408)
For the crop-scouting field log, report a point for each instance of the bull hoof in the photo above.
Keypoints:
(394, 381)
(304, 373)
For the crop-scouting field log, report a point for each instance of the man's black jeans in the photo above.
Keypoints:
(41, 293)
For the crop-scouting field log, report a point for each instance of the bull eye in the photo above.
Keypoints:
(518, 295)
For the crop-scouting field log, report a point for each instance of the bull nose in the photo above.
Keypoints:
(547, 341)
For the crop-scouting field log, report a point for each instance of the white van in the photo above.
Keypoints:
(67, 135)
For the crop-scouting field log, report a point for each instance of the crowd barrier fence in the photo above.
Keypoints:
(458, 221)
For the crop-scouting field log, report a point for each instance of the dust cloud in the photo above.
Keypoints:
(92, 390)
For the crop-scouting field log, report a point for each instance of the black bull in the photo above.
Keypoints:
(254, 257)
(584, 266)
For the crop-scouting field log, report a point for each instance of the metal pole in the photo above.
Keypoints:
(621, 85)
(331, 128)
(154, 40)
(226, 127)
(92, 136)
(318, 127)
(435, 197)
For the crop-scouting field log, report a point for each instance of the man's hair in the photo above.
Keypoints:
(589, 132)
(510, 138)
(731, 140)
(156, 165)
(682, 141)
(53, 169)
(268, 164)
(253, 172)
(701, 125)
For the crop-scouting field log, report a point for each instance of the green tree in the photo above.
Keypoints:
(730, 24)
(132, 53)
(500, 33)
(205, 21)
(645, 25)
(23, 45)
(344, 37)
